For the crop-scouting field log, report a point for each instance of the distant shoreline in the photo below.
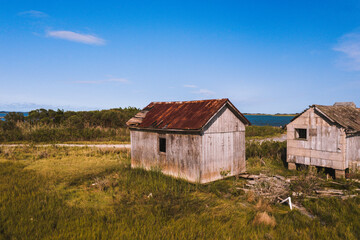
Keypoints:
(252, 114)
(11, 111)
(277, 114)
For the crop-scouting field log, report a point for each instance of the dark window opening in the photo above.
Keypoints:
(300, 133)
(162, 144)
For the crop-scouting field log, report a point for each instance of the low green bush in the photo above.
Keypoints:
(263, 131)
(265, 149)
(59, 126)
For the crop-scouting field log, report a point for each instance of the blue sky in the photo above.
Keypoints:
(265, 56)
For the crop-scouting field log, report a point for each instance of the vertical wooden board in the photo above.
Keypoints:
(300, 159)
(133, 140)
(239, 161)
(235, 164)
(318, 135)
(344, 148)
(353, 150)
(230, 152)
(144, 149)
(183, 156)
(223, 152)
(242, 157)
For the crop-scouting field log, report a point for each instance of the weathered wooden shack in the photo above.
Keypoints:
(200, 141)
(325, 136)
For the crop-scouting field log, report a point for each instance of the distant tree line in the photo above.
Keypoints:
(43, 125)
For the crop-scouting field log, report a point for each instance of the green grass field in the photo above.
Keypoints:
(83, 193)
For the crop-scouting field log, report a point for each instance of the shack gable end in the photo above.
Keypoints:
(323, 143)
(223, 145)
(353, 151)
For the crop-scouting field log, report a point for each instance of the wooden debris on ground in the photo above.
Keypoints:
(270, 187)
(276, 188)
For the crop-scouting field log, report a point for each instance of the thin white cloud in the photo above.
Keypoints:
(118, 80)
(203, 91)
(190, 86)
(76, 37)
(33, 13)
(349, 45)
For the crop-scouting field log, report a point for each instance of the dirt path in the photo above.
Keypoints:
(281, 138)
(126, 146)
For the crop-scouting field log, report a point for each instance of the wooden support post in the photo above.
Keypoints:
(291, 166)
(339, 173)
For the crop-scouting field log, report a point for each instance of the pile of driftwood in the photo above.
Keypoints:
(270, 187)
(278, 187)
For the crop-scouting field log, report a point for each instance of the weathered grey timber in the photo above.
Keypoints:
(325, 136)
(205, 140)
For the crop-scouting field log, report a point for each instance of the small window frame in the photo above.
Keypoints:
(301, 134)
(162, 145)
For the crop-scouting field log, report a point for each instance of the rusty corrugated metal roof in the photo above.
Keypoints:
(187, 115)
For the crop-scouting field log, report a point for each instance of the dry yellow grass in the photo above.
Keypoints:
(86, 193)
(265, 219)
(263, 205)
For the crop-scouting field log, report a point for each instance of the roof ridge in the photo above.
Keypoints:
(191, 101)
(334, 106)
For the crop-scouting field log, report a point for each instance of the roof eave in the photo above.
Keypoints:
(198, 131)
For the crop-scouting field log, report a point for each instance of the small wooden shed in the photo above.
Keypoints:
(325, 136)
(200, 141)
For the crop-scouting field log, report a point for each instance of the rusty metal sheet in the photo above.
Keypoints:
(187, 115)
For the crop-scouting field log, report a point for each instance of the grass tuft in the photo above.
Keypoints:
(264, 219)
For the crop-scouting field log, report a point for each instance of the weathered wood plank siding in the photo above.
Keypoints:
(182, 157)
(144, 149)
(325, 144)
(353, 151)
(223, 146)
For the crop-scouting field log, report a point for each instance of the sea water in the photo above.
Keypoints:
(258, 120)
(271, 120)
